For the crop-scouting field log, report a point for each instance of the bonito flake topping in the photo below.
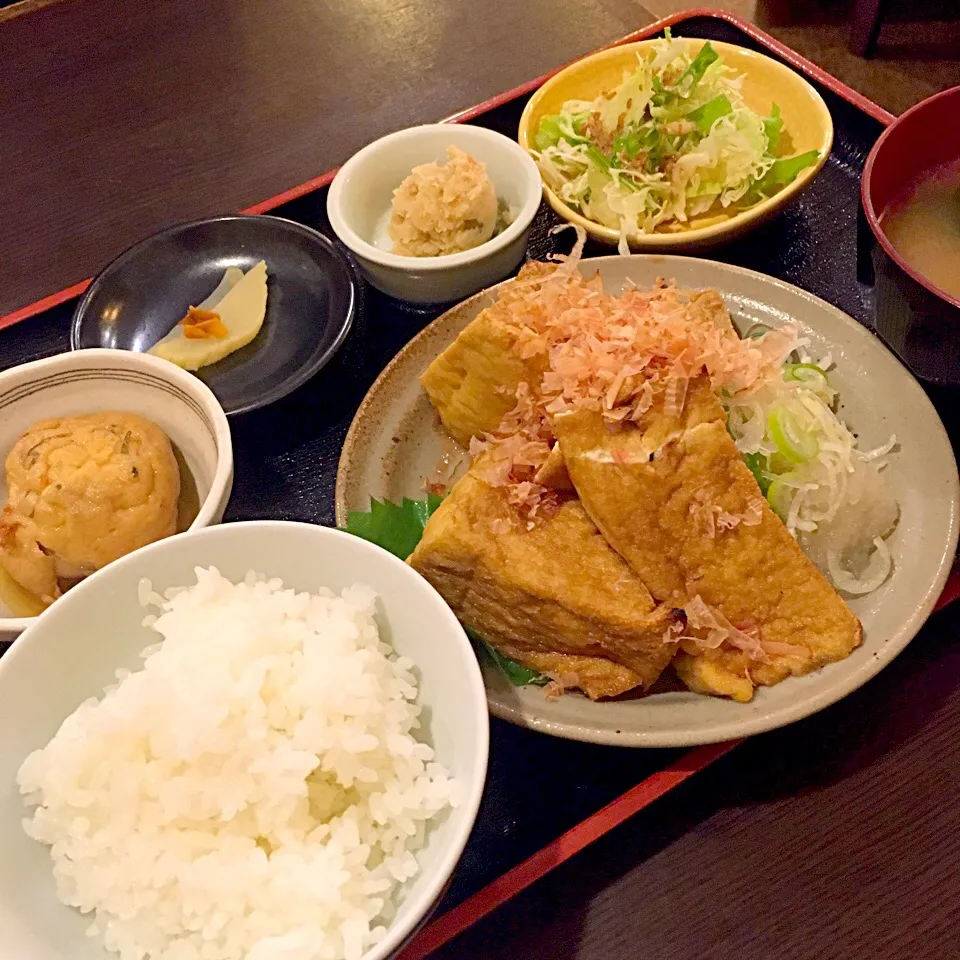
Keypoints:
(615, 353)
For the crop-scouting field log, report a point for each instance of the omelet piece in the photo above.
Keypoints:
(555, 589)
(29, 573)
(241, 311)
(651, 507)
(84, 491)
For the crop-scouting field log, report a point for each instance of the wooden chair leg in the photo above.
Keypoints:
(865, 26)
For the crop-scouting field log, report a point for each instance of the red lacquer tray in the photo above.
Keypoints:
(520, 837)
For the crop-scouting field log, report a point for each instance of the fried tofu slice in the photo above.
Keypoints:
(712, 676)
(650, 504)
(555, 589)
(708, 308)
(597, 677)
(474, 382)
(656, 427)
(553, 474)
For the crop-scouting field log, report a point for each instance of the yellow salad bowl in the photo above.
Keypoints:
(807, 125)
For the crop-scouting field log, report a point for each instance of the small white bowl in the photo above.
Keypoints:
(74, 649)
(362, 191)
(88, 381)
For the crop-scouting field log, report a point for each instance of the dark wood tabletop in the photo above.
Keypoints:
(117, 118)
(835, 839)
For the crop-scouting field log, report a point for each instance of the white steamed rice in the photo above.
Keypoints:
(255, 791)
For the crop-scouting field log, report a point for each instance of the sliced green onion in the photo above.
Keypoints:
(792, 441)
(780, 496)
(629, 142)
(657, 147)
(698, 67)
(757, 463)
(661, 95)
(806, 373)
(599, 158)
(778, 464)
(756, 330)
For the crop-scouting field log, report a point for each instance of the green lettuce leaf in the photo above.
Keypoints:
(518, 675)
(557, 127)
(706, 115)
(549, 134)
(785, 171)
(398, 529)
(772, 126)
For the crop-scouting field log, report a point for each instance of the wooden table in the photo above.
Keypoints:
(835, 839)
(119, 117)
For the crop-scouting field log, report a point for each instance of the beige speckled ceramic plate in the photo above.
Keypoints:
(396, 440)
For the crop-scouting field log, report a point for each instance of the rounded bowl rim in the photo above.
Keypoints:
(364, 250)
(289, 384)
(873, 216)
(469, 805)
(713, 233)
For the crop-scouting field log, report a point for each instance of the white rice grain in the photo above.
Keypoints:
(254, 792)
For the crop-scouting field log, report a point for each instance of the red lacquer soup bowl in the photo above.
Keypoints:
(917, 319)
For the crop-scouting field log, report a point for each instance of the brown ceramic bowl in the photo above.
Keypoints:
(917, 319)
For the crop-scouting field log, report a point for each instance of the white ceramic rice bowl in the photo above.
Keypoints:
(74, 648)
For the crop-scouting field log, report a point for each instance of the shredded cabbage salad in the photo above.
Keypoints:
(674, 141)
(832, 496)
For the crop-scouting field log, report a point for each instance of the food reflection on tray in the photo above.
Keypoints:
(648, 490)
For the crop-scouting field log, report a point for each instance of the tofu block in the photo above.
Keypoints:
(473, 383)
(597, 677)
(555, 589)
(648, 505)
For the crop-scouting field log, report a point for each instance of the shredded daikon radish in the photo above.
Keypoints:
(830, 494)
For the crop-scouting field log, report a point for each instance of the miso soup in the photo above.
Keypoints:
(924, 227)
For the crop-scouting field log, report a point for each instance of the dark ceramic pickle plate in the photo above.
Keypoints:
(311, 294)
(286, 455)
